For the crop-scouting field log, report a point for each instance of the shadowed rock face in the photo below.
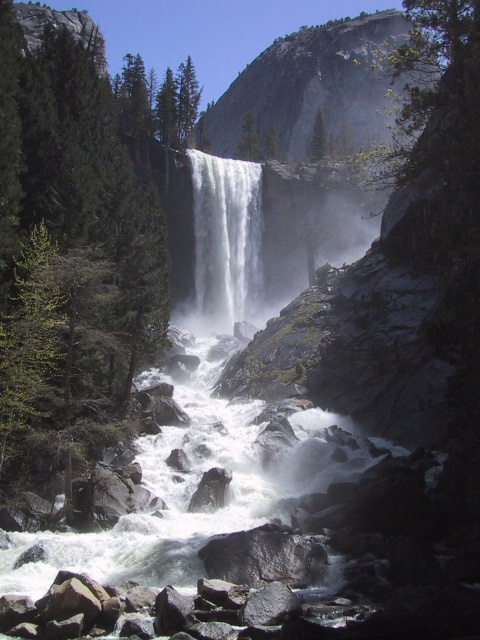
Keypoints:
(314, 68)
(362, 337)
(33, 19)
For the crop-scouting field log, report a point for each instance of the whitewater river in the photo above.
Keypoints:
(159, 551)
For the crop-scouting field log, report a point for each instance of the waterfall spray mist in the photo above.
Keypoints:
(228, 238)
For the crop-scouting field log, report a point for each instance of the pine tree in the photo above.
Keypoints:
(10, 139)
(318, 144)
(134, 112)
(29, 336)
(189, 95)
(249, 146)
(144, 270)
(166, 111)
(270, 144)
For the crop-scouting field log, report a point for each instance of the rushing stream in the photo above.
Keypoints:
(158, 551)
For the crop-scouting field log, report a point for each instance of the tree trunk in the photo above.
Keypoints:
(128, 382)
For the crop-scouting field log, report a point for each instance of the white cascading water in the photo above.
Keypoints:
(228, 237)
(159, 551)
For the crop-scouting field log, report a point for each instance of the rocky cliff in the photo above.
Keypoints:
(33, 18)
(318, 67)
(392, 340)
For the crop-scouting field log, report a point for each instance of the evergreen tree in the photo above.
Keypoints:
(10, 138)
(270, 144)
(166, 111)
(144, 270)
(203, 143)
(134, 112)
(249, 146)
(29, 336)
(189, 95)
(152, 91)
(318, 144)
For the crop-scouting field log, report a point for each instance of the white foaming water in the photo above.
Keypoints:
(228, 237)
(157, 551)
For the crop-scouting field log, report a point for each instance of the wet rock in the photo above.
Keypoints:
(275, 440)
(165, 411)
(132, 471)
(178, 372)
(270, 606)
(412, 563)
(100, 499)
(118, 456)
(8, 522)
(69, 598)
(226, 347)
(139, 626)
(217, 614)
(202, 451)
(356, 544)
(222, 593)
(211, 631)
(282, 409)
(178, 460)
(265, 554)
(15, 610)
(182, 635)
(162, 389)
(172, 611)
(36, 553)
(96, 588)
(391, 505)
(26, 630)
(191, 363)
(38, 513)
(112, 609)
(212, 491)
(64, 629)
(260, 632)
(140, 599)
(244, 331)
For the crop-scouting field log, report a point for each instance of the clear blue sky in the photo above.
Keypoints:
(222, 36)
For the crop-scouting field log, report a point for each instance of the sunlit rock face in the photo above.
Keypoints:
(33, 19)
(332, 68)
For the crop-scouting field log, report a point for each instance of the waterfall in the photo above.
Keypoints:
(228, 237)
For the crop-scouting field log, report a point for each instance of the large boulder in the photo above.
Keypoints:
(173, 611)
(211, 631)
(36, 553)
(191, 363)
(244, 331)
(136, 625)
(8, 522)
(393, 505)
(222, 593)
(270, 606)
(15, 610)
(275, 440)
(212, 491)
(179, 461)
(265, 554)
(101, 498)
(69, 599)
(64, 629)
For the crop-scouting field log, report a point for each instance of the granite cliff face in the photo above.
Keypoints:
(318, 67)
(33, 18)
(393, 339)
